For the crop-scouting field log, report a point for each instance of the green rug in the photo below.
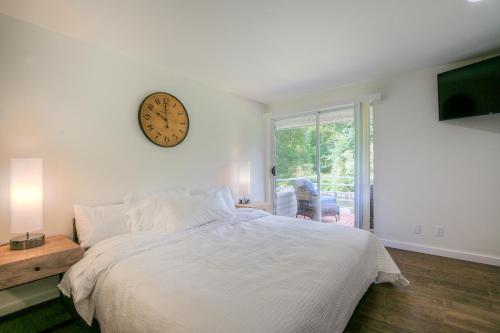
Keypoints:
(43, 317)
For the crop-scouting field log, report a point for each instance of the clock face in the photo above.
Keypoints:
(163, 119)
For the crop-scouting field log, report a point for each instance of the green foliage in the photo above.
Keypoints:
(296, 154)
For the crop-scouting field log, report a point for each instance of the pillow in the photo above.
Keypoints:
(196, 210)
(94, 224)
(171, 213)
(140, 208)
(147, 211)
(224, 191)
(132, 200)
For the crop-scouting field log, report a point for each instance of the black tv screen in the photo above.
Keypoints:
(468, 91)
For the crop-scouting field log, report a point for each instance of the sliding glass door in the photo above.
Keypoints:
(317, 166)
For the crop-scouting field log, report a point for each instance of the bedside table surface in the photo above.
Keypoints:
(253, 204)
(265, 206)
(53, 244)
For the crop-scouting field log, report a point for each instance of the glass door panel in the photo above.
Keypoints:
(296, 174)
(337, 166)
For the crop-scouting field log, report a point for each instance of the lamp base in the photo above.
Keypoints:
(244, 201)
(27, 241)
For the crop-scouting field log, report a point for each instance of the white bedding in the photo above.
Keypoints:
(256, 273)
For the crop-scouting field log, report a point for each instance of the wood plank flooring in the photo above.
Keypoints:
(445, 295)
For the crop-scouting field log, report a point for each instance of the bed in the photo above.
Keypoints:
(253, 273)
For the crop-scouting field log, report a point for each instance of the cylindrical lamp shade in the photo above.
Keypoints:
(26, 195)
(244, 179)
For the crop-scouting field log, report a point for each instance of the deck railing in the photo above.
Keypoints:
(283, 184)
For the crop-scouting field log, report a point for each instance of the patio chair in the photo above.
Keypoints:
(307, 201)
(286, 203)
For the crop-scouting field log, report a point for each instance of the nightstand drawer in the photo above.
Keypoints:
(37, 267)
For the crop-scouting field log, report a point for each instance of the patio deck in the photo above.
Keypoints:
(346, 219)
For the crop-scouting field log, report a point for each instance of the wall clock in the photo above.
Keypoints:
(163, 119)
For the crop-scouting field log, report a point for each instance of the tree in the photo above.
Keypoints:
(296, 154)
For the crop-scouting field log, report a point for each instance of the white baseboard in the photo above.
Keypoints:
(437, 251)
(18, 298)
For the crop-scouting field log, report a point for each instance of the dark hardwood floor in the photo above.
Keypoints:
(445, 295)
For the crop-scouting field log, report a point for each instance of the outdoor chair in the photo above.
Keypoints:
(307, 201)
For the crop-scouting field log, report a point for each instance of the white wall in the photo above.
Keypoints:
(75, 106)
(427, 172)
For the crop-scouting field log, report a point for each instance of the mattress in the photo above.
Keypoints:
(255, 273)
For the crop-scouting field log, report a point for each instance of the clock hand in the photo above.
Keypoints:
(166, 113)
(164, 118)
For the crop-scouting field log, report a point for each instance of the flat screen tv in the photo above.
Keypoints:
(471, 90)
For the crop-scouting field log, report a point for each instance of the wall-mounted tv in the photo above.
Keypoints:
(471, 90)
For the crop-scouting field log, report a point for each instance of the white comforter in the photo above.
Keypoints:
(254, 274)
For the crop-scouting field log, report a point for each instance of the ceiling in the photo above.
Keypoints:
(268, 50)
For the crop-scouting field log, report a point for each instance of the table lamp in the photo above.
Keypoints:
(244, 180)
(26, 202)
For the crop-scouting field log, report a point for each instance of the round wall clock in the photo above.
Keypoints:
(163, 119)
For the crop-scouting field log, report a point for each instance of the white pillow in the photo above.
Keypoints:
(147, 211)
(195, 210)
(94, 224)
(132, 200)
(171, 213)
(141, 209)
(224, 191)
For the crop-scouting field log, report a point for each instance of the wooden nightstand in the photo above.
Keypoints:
(23, 266)
(265, 206)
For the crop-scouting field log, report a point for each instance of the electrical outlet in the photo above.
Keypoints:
(417, 229)
(439, 231)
